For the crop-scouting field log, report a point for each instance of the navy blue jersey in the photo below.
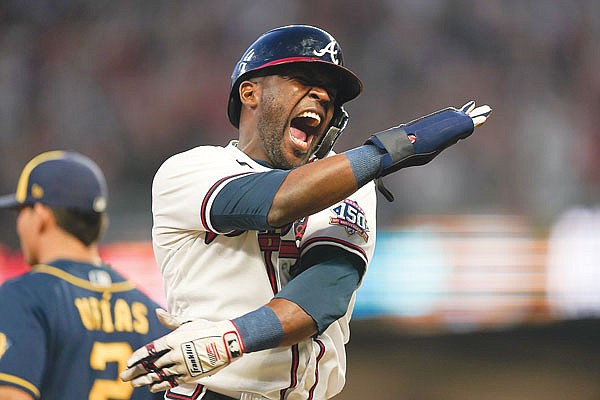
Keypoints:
(67, 330)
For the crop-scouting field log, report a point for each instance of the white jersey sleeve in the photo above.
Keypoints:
(186, 185)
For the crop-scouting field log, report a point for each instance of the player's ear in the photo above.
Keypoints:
(249, 93)
(44, 216)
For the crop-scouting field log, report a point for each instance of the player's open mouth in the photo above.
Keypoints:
(303, 129)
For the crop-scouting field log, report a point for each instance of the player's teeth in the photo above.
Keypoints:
(299, 142)
(312, 115)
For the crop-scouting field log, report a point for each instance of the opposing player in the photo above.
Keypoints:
(68, 326)
(263, 243)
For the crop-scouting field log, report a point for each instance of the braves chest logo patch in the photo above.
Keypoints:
(349, 215)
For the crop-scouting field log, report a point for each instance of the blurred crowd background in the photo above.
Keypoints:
(130, 83)
(501, 230)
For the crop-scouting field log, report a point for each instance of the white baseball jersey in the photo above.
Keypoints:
(223, 275)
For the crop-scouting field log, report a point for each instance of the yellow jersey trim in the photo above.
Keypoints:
(82, 283)
(21, 382)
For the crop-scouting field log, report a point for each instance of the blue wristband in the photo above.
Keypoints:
(260, 329)
(365, 162)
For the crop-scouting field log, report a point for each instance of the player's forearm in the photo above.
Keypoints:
(312, 188)
(279, 323)
(307, 305)
(297, 325)
(276, 198)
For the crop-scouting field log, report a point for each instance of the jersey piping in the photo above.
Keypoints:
(82, 283)
(293, 372)
(319, 356)
(210, 195)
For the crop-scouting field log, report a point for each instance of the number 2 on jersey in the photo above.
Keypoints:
(103, 353)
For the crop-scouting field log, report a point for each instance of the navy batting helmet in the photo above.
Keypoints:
(296, 44)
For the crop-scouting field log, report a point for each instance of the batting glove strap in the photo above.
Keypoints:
(419, 141)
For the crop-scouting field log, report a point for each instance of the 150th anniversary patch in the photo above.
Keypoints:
(349, 215)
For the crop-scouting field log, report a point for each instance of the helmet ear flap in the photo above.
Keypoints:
(336, 127)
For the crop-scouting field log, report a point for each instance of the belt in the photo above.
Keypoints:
(215, 396)
(201, 393)
(198, 394)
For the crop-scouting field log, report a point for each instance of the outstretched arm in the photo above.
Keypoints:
(335, 178)
(276, 198)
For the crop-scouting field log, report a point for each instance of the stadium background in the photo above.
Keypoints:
(485, 282)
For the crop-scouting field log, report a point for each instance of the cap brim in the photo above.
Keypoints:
(9, 201)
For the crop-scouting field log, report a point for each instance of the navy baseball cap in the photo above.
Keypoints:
(62, 179)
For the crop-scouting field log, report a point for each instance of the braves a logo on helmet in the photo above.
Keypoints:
(331, 48)
(349, 215)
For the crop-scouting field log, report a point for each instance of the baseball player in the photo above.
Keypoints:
(67, 326)
(263, 243)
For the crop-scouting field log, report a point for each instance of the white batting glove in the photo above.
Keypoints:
(479, 115)
(194, 350)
